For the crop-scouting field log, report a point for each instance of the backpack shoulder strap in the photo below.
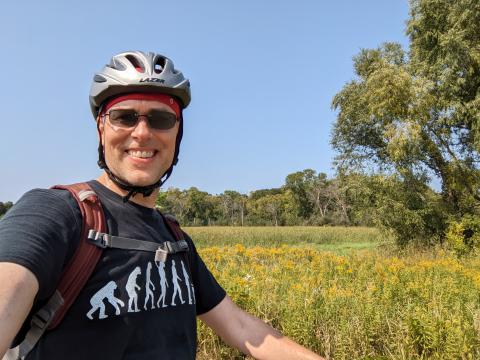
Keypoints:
(86, 256)
(173, 225)
(77, 271)
(175, 229)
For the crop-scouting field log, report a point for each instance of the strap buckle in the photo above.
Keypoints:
(41, 319)
(169, 247)
(182, 245)
(161, 255)
(99, 239)
(39, 323)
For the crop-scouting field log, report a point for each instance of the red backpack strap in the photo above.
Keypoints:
(173, 226)
(86, 256)
(75, 274)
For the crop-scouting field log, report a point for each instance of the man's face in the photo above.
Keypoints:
(140, 155)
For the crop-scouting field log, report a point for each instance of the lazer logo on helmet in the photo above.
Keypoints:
(156, 80)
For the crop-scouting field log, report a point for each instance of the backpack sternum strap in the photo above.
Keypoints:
(161, 250)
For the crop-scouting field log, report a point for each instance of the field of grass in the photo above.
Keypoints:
(320, 238)
(348, 303)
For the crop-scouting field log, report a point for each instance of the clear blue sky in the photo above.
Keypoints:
(263, 75)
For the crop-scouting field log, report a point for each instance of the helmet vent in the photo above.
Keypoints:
(159, 65)
(99, 78)
(136, 64)
(116, 65)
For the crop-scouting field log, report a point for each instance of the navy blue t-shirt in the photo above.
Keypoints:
(132, 307)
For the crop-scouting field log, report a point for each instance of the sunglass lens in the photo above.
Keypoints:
(123, 118)
(162, 120)
(157, 119)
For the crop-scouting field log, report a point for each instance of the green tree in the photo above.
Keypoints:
(199, 207)
(417, 115)
(174, 201)
(4, 207)
(257, 194)
(233, 207)
(360, 194)
(300, 183)
(271, 209)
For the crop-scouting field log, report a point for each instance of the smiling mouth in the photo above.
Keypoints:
(141, 154)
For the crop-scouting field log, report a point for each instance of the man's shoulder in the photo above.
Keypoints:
(44, 202)
(41, 232)
(45, 197)
(56, 193)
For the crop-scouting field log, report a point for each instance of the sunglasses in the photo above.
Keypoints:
(128, 118)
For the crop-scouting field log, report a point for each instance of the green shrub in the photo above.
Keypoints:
(463, 236)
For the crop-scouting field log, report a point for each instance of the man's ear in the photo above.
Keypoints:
(100, 129)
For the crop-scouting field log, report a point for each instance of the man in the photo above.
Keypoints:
(137, 101)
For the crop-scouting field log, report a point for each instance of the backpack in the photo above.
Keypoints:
(93, 240)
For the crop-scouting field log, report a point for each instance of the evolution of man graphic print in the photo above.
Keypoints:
(147, 288)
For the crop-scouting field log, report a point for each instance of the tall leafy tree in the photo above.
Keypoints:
(272, 209)
(199, 206)
(233, 207)
(174, 201)
(300, 183)
(416, 114)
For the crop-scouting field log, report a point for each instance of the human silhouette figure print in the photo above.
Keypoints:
(149, 287)
(176, 286)
(132, 288)
(163, 284)
(97, 301)
(187, 282)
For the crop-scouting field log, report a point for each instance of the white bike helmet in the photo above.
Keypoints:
(134, 72)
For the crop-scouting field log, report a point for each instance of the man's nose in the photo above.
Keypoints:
(142, 128)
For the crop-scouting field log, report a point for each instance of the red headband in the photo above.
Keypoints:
(163, 98)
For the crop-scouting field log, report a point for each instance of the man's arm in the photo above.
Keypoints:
(18, 287)
(251, 335)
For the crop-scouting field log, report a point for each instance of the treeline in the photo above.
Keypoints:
(306, 198)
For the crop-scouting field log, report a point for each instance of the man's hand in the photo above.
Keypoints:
(18, 287)
(251, 335)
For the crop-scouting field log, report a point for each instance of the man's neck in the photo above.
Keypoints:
(148, 201)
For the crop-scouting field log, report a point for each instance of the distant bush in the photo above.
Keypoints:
(463, 236)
